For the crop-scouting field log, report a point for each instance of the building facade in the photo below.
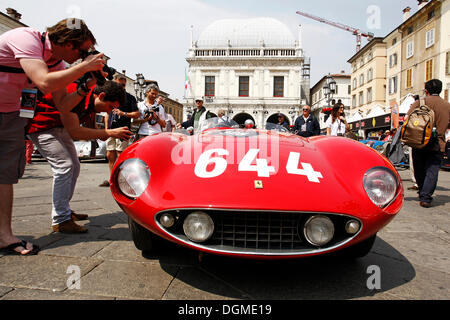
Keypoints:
(444, 52)
(251, 68)
(416, 51)
(368, 77)
(393, 43)
(320, 101)
(421, 48)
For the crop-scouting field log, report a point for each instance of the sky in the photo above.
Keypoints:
(152, 37)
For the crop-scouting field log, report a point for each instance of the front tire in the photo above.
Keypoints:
(359, 250)
(143, 239)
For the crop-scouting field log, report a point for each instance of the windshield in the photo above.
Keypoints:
(275, 127)
(183, 131)
(217, 122)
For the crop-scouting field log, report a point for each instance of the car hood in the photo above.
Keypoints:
(325, 173)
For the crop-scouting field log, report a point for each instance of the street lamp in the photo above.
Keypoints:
(329, 89)
(332, 86)
(326, 90)
(139, 86)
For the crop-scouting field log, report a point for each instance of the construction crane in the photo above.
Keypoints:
(358, 33)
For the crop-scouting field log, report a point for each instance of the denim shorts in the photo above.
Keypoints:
(12, 147)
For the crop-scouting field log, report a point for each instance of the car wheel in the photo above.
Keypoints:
(359, 250)
(143, 239)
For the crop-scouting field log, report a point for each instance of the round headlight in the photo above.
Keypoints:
(319, 230)
(133, 177)
(198, 226)
(380, 185)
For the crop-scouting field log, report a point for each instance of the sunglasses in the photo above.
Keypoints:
(305, 109)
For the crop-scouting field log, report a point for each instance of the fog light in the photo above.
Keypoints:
(319, 230)
(198, 226)
(352, 226)
(167, 220)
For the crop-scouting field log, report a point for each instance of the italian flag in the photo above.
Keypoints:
(185, 80)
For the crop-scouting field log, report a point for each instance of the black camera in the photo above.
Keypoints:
(149, 113)
(97, 74)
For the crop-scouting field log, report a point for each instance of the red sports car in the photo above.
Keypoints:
(255, 193)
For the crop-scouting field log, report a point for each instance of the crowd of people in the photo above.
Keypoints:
(32, 67)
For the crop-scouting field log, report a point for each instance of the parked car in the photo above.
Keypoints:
(260, 194)
(374, 143)
(84, 149)
(384, 148)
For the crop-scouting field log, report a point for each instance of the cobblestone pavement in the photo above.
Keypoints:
(412, 253)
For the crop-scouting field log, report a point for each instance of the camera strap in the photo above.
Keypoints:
(8, 69)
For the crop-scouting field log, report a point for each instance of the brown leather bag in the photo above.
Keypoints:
(418, 126)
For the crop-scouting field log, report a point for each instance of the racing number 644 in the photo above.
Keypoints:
(261, 167)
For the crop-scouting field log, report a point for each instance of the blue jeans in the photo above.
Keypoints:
(58, 148)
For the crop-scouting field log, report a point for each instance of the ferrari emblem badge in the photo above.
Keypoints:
(258, 184)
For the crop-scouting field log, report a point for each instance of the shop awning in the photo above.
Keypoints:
(406, 104)
(355, 117)
(376, 112)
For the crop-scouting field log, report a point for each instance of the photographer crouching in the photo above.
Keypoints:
(153, 116)
(52, 132)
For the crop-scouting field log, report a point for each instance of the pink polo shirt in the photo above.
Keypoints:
(14, 45)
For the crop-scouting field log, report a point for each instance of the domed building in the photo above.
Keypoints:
(251, 68)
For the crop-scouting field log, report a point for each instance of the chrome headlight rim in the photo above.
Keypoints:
(388, 202)
(305, 233)
(126, 164)
(208, 219)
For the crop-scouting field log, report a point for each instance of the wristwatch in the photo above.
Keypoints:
(84, 89)
(81, 92)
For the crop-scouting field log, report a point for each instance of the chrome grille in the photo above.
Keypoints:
(257, 230)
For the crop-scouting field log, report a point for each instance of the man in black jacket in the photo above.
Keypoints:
(307, 125)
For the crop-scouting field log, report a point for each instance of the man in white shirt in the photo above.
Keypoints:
(152, 114)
